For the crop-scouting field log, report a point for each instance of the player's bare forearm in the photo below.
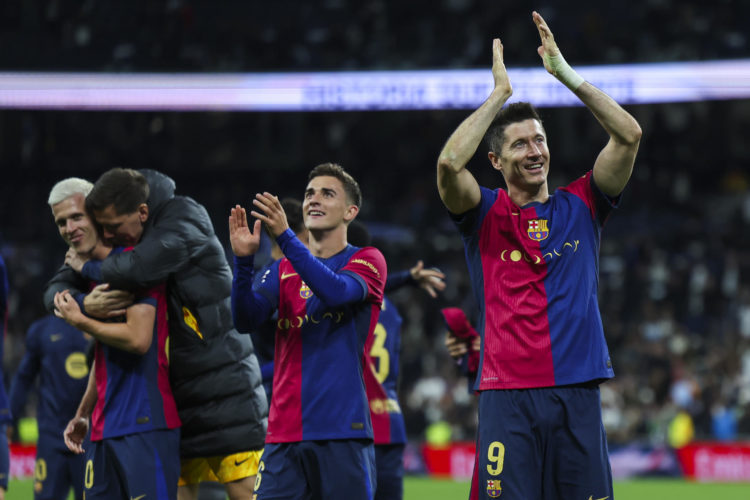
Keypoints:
(104, 303)
(614, 164)
(465, 140)
(619, 124)
(134, 335)
(457, 187)
(88, 401)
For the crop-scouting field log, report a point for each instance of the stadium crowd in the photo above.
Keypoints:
(674, 272)
(197, 35)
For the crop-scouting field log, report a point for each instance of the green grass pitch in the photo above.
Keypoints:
(418, 488)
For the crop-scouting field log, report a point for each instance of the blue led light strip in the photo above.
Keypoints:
(366, 90)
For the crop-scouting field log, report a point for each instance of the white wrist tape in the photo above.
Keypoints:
(563, 72)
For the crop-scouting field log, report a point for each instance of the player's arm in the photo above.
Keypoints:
(26, 373)
(458, 188)
(431, 280)
(162, 251)
(334, 289)
(134, 335)
(614, 165)
(76, 430)
(249, 307)
(64, 279)
(100, 302)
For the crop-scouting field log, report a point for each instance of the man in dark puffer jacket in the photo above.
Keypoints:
(214, 373)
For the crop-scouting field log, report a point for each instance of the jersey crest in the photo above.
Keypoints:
(304, 291)
(538, 230)
(493, 488)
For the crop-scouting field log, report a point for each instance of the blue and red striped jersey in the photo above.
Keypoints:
(381, 377)
(318, 388)
(133, 391)
(535, 274)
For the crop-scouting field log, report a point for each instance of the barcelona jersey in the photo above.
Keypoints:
(534, 270)
(381, 377)
(318, 389)
(133, 391)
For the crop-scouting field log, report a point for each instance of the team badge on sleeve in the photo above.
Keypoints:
(537, 230)
(493, 488)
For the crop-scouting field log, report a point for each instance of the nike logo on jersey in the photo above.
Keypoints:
(138, 497)
(287, 275)
(55, 337)
(591, 497)
(237, 464)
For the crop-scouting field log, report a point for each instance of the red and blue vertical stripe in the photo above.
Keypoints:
(534, 271)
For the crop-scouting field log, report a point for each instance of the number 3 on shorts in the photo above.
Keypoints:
(496, 458)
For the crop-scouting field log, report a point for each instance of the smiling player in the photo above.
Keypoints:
(533, 259)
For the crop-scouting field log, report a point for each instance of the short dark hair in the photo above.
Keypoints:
(357, 234)
(512, 113)
(293, 210)
(334, 170)
(124, 188)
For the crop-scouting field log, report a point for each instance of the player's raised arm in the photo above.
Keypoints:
(614, 165)
(243, 241)
(249, 309)
(457, 186)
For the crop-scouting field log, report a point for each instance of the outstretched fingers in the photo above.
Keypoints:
(237, 218)
(541, 25)
(497, 50)
(499, 73)
(545, 35)
(272, 215)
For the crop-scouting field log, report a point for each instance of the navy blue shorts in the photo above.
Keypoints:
(57, 469)
(143, 465)
(389, 462)
(542, 444)
(317, 470)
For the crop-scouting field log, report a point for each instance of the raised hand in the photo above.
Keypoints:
(272, 213)
(553, 60)
(243, 241)
(548, 46)
(429, 279)
(499, 73)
